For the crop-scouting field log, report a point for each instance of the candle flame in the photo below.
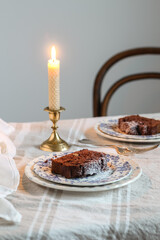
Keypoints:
(53, 53)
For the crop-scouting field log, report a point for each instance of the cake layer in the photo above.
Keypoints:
(80, 164)
(137, 125)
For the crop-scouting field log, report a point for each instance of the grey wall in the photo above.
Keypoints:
(86, 33)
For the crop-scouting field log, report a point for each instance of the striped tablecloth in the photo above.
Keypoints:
(130, 212)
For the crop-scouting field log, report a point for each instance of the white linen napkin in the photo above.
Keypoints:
(9, 175)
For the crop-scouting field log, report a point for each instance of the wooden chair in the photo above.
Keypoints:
(100, 107)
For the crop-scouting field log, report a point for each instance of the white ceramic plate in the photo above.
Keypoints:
(107, 128)
(135, 174)
(120, 168)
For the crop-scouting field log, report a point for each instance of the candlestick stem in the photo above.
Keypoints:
(54, 143)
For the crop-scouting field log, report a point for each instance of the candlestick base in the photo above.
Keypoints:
(54, 143)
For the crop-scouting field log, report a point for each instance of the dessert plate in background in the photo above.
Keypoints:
(109, 127)
(120, 168)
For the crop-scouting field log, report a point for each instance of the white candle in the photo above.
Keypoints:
(53, 81)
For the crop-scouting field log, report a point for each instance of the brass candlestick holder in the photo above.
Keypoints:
(54, 143)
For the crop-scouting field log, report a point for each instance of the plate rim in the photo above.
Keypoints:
(135, 174)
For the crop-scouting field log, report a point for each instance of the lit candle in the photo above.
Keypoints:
(53, 81)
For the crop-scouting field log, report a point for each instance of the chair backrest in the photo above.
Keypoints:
(100, 107)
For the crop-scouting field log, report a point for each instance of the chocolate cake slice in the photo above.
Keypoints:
(137, 125)
(80, 164)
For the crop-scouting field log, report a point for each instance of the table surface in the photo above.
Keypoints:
(130, 212)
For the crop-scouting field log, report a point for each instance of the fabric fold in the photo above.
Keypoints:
(8, 211)
(9, 174)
